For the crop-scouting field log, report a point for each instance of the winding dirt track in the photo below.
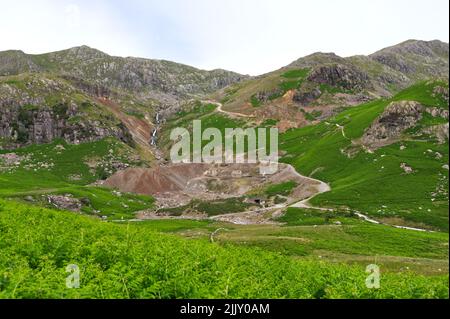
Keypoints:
(220, 110)
(256, 216)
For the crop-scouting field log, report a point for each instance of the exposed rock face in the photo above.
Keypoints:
(416, 59)
(20, 126)
(437, 112)
(389, 70)
(397, 117)
(441, 132)
(152, 79)
(140, 86)
(265, 96)
(396, 63)
(400, 116)
(93, 89)
(441, 91)
(305, 98)
(39, 109)
(15, 62)
(339, 75)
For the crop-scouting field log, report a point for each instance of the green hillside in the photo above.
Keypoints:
(60, 168)
(374, 183)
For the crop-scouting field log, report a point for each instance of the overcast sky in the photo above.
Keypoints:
(247, 36)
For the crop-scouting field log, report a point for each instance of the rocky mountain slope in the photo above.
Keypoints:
(320, 84)
(36, 109)
(147, 79)
(416, 59)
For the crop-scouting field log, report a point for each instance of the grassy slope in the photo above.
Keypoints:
(423, 92)
(70, 173)
(130, 261)
(374, 183)
(315, 235)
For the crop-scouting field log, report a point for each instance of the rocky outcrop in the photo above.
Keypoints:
(267, 95)
(397, 117)
(396, 63)
(38, 109)
(339, 75)
(390, 69)
(441, 132)
(437, 112)
(400, 116)
(65, 202)
(20, 126)
(92, 89)
(15, 62)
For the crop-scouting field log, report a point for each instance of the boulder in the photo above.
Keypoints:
(65, 202)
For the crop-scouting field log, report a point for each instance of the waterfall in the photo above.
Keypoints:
(154, 137)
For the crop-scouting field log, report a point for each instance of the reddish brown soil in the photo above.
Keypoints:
(157, 180)
(140, 129)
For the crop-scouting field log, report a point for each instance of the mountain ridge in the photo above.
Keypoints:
(405, 45)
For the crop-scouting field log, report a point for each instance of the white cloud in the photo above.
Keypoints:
(45, 25)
